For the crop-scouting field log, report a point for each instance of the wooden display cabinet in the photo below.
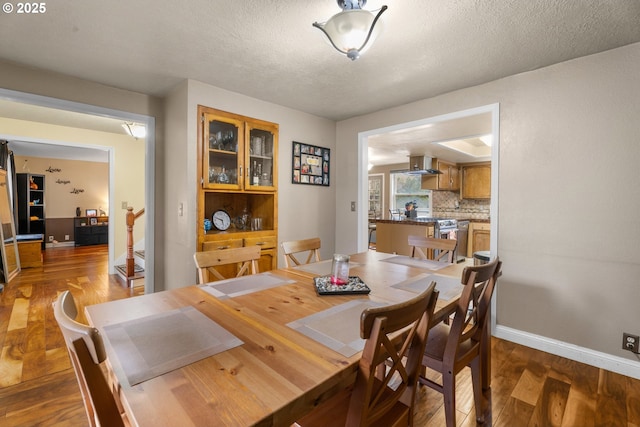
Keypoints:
(239, 147)
(238, 153)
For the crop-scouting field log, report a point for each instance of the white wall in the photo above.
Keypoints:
(569, 155)
(303, 210)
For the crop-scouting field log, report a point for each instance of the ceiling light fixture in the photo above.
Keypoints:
(352, 31)
(487, 139)
(135, 130)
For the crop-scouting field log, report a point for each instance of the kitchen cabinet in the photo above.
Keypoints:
(30, 200)
(479, 237)
(449, 179)
(238, 178)
(476, 181)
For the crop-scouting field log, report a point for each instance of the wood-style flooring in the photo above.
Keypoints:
(38, 386)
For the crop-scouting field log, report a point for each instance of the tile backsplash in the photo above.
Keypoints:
(444, 205)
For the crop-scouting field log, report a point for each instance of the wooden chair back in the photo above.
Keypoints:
(293, 247)
(451, 348)
(245, 257)
(86, 351)
(385, 387)
(432, 248)
(373, 397)
(470, 317)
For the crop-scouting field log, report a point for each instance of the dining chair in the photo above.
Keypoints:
(244, 257)
(292, 247)
(432, 248)
(450, 348)
(87, 353)
(386, 382)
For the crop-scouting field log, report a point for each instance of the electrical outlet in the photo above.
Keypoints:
(66, 237)
(630, 342)
(51, 238)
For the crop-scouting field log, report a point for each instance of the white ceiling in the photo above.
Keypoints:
(268, 49)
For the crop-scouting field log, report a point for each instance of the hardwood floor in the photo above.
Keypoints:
(38, 386)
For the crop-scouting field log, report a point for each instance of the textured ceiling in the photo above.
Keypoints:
(267, 49)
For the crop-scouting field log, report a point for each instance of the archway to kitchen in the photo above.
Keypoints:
(458, 125)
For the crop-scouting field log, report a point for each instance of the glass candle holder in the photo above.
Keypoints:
(340, 269)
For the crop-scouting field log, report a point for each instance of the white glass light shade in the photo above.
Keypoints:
(352, 31)
(349, 29)
(135, 130)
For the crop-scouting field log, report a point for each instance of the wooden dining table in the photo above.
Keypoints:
(277, 374)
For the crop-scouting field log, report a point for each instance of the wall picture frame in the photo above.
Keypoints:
(311, 164)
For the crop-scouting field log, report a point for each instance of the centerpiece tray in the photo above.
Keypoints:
(354, 286)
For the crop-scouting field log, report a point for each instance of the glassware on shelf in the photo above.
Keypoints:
(223, 178)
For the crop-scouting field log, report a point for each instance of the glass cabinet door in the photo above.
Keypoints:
(261, 153)
(223, 152)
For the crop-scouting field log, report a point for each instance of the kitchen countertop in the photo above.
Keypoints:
(417, 222)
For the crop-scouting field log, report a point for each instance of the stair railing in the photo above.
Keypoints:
(131, 219)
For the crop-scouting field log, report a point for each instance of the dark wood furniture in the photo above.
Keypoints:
(93, 230)
(383, 395)
(451, 348)
(31, 207)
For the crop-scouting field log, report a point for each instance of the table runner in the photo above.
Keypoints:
(337, 327)
(416, 262)
(154, 345)
(449, 287)
(230, 288)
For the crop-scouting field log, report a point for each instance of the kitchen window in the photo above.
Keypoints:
(406, 188)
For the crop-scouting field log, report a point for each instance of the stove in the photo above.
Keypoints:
(441, 224)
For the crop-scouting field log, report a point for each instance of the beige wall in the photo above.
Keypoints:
(303, 211)
(60, 199)
(567, 174)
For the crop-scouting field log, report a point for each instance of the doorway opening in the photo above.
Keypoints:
(95, 112)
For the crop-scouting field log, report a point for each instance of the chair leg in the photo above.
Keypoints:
(476, 381)
(449, 395)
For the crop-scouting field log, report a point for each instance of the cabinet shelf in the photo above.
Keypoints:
(255, 142)
(31, 207)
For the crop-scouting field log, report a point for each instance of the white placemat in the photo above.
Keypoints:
(244, 285)
(320, 268)
(160, 343)
(427, 264)
(337, 327)
(449, 287)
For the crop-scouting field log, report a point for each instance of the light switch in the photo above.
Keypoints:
(353, 206)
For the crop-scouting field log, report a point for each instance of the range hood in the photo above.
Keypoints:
(421, 165)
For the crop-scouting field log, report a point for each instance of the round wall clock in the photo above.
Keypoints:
(221, 220)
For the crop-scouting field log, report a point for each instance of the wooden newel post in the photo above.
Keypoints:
(130, 261)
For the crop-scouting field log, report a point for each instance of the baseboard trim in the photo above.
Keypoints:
(60, 244)
(598, 359)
